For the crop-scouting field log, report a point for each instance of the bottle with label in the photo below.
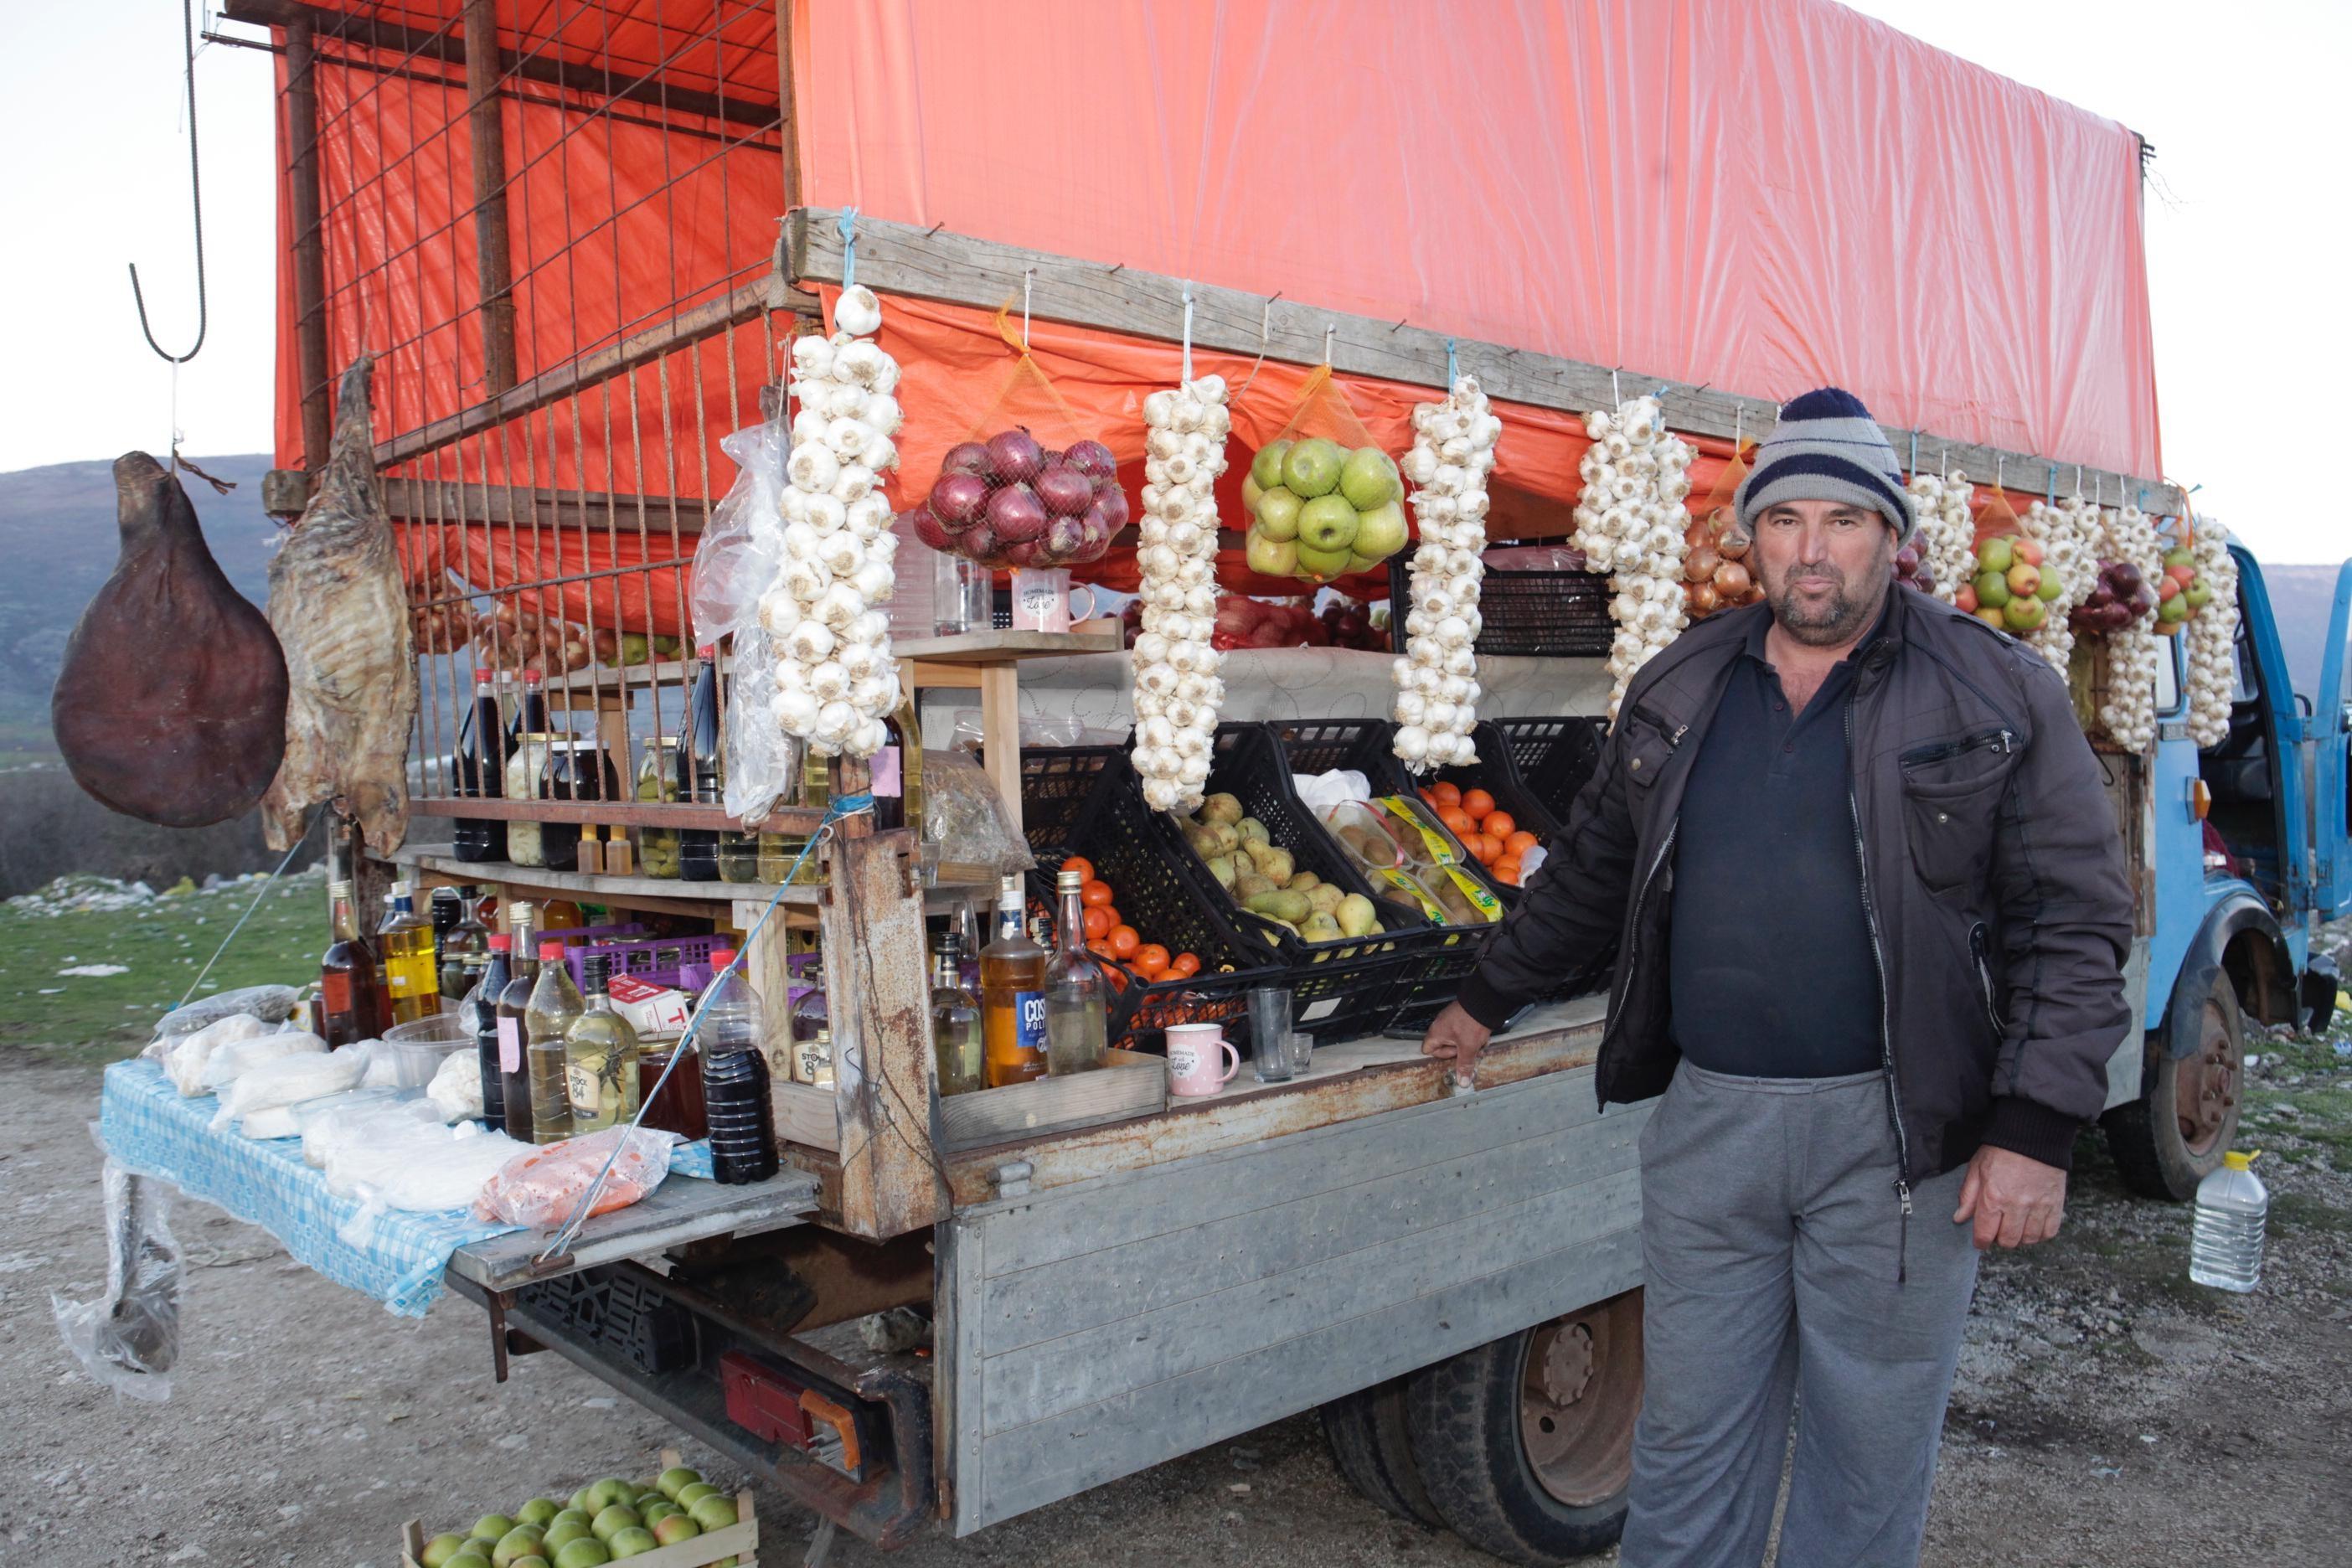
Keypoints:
(555, 1004)
(348, 999)
(1013, 995)
(1077, 1001)
(735, 1100)
(496, 976)
(600, 1058)
(514, 1006)
(410, 975)
(481, 771)
(465, 946)
(697, 773)
(812, 1022)
(657, 783)
(955, 1022)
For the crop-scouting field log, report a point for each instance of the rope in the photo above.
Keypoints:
(291, 850)
(196, 202)
(1453, 365)
(839, 807)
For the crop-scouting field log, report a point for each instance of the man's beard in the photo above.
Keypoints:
(1826, 622)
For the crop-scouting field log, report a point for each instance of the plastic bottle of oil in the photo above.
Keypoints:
(410, 971)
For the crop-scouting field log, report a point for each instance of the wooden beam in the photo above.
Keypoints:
(906, 258)
(309, 247)
(485, 125)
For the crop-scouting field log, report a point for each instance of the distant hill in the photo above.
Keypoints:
(58, 536)
(2301, 597)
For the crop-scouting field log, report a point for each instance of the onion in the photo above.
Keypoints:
(1064, 538)
(1027, 553)
(1699, 535)
(1108, 511)
(959, 499)
(1733, 541)
(926, 525)
(1731, 580)
(1702, 596)
(1016, 514)
(966, 457)
(1700, 565)
(1093, 460)
(1016, 457)
(980, 542)
(1066, 491)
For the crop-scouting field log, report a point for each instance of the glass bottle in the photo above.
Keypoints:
(554, 1004)
(465, 946)
(736, 1108)
(812, 1022)
(697, 773)
(888, 768)
(410, 975)
(658, 783)
(1013, 995)
(600, 1058)
(482, 772)
(1077, 1003)
(496, 976)
(348, 1002)
(527, 768)
(955, 1022)
(514, 1004)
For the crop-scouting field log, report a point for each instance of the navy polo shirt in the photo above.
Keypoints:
(1772, 966)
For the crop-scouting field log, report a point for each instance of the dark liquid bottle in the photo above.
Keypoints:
(350, 1005)
(735, 1103)
(889, 770)
(697, 773)
(465, 946)
(514, 1071)
(482, 772)
(495, 979)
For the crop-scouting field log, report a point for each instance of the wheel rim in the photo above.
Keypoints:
(1579, 1390)
(2205, 1085)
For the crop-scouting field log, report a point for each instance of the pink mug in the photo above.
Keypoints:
(1042, 599)
(1192, 1059)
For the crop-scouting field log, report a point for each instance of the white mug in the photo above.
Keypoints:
(1041, 599)
(1192, 1059)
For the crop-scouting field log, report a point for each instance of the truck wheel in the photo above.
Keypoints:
(1366, 1431)
(1526, 1444)
(2169, 1139)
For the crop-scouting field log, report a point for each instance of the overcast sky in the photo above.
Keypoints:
(2246, 230)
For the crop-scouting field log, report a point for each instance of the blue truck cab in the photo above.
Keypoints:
(2239, 851)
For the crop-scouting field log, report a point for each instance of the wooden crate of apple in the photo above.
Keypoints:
(1010, 501)
(1319, 511)
(677, 1520)
(1265, 878)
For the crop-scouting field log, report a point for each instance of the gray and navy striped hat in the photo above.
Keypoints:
(1828, 447)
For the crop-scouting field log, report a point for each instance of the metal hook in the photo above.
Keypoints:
(196, 203)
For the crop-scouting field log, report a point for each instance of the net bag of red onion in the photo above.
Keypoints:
(1027, 486)
(1717, 572)
(1325, 500)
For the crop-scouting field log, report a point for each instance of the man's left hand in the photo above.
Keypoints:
(2015, 1201)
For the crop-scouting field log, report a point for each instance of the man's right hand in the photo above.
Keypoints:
(1457, 1038)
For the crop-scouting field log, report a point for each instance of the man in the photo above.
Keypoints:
(1869, 917)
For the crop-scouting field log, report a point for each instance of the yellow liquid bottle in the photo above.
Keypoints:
(412, 972)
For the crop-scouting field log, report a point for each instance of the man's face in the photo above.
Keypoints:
(1825, 567)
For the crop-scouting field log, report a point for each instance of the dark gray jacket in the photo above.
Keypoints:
(1991, 868)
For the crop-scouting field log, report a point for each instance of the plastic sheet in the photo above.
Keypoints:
(965, 817)
(129, 1337)
(270, 1004)
(542, 1188)
(736, 557)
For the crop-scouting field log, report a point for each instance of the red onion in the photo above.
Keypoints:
(966, 457)
(1098, 538)
(1064, 538)
(1025, 554)
(1016, 514)
(1066, 491)
(926, 526)
(1093, 460)
(978, 542)
(2126, 578)
(1108, 509)
(959, 499)
(1015, 456)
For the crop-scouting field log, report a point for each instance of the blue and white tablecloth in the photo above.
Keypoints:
(147, 1126)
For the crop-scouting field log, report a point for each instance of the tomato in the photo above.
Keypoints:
(1095, 893)
(1458, 822)
(1499, 825)
(1100, 948)
(1082, 866)
(1506, 871)
(1098, 922)
(1485, 848)
(1184, 966)
(1478, 804)
(1442, 794)
(1151, 960)
(1428, 796)
(1115, 918)
(1124, 941)
(1519, 843)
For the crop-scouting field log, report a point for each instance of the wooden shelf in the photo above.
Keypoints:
(664, 895)
(1004, 647)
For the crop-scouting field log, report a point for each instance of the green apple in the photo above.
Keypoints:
(688, 1493)
(1322, 563)
(522, 1541)
(491, 1528)
(2199, 592)
(713, 1513)
(614, 1519)
(1369, 479)
(539, 1510)
(533, 1560)
(2024, 614)
(571, 1525)
(2179, 557)
(1327, 522)
(470, 1558)
(608, 1491)
(1311, 468)
(655, 1510)
(674, 1477)
(675, 1528)
(1360, 562)
(631, 1542)
(1266, 467)
(1278, 514)
(2052, 585)
(2172, 611)
(580, 1501)
(440, 1549)
(1250, 491)
(1380, 531)
(1275, 557)
(1992, 590)
(1996, 555)
(586, 1553)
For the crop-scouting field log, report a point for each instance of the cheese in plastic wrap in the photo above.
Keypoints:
(289, 1080)
(455, 1091)
(185, 1054)
(232, 1060)
(428, 1171)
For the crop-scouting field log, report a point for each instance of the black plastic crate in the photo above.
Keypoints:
(613, 1307)
(1056, 783)
(1113, 829)
(1319, 745)
(1341, 990)
(1495, 773)
(1546, 614)
(1553, 756)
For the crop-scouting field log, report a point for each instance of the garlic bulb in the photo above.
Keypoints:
(2128, 713)
(1947, 530)
(2065, 537)
(2211, 632)
(1630, 522)
(1450, 503)
(836, 680)
(1176, 689)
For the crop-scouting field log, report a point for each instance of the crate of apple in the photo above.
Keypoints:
(2010, 591)
(1010, 501)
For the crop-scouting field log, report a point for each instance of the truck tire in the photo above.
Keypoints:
(1526, 1444)
(2169, 1139)
(1366, 1431)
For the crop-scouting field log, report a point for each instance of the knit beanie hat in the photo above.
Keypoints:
(1828, 447)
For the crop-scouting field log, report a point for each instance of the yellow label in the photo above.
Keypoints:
(1420, 895)
(1484, 901)
(1441, 847)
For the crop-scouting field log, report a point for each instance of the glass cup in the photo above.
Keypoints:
(1269, 1016)
(1302, 1052)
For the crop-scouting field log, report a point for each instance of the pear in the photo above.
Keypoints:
(1248, 885)
(1320, 927)
(1221, 867)
(1228, 837)
(1283, 905)
(1224, 808)
(1325, 897)
(1276, 866)
(1303, 883)
(1251, 827)
(1201, 838)
(1356, 916)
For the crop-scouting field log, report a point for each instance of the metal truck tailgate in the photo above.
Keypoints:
(680, 1210)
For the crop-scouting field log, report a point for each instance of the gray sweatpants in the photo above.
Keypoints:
(1770, 1236)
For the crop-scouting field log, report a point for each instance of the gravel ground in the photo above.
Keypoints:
(2107, 1411)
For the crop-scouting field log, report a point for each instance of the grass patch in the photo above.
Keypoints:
(2300, 1211)
(95, 1019)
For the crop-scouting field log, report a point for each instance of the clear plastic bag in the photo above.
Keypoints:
(289, 1080)
(965, 817)
(763, 760)
(430, 1174)
(455, 1091)
(350, 1123)
(233, 1061)
(128, 1338)
(270, 1004)
(185, 1054)
(738, 552)
(1324, 498)
(544, 1186)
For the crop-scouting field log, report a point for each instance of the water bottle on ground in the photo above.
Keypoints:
(735, 1079)
(2225, 1247)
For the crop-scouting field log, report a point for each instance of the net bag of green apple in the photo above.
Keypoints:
(1717, 573)
(1028, 486)
(1324, 501)
(2010, 590)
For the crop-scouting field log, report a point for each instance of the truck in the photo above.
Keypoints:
(909, 1331)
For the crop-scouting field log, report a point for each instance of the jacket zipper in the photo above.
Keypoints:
(1984, 976)
(1642, 898)
(1886, 1031)
(2002, 741)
